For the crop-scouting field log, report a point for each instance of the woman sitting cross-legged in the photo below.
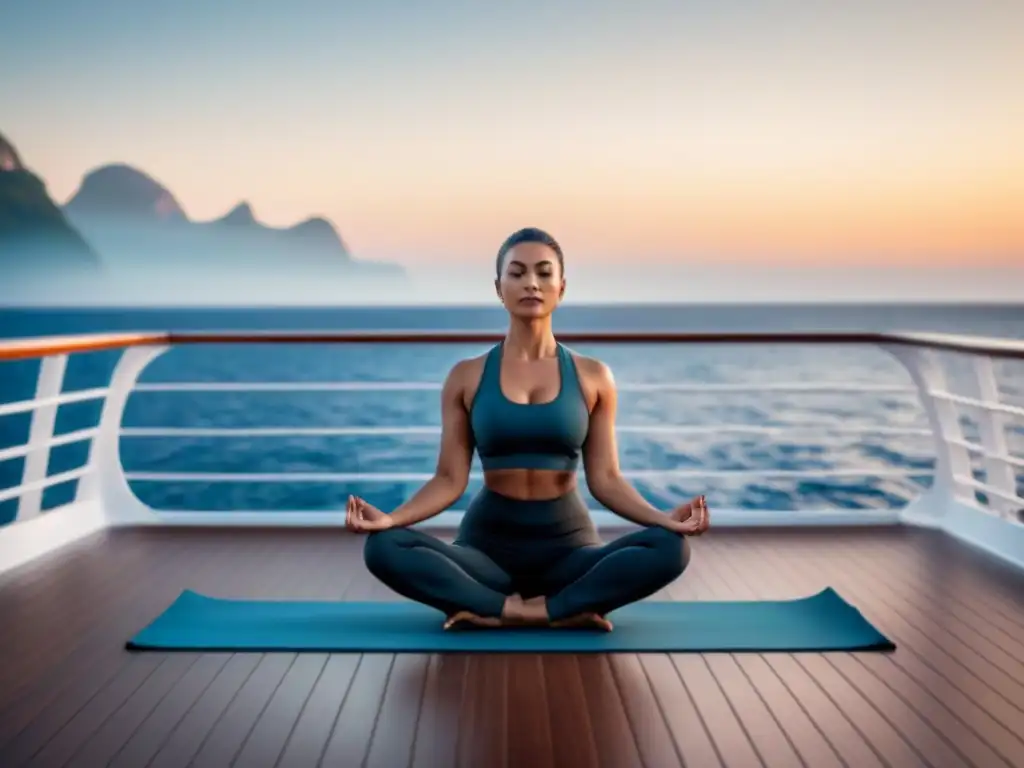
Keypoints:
(527, 551)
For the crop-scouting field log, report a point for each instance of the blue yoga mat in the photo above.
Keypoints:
(822, 622)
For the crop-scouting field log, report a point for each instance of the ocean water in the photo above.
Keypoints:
(830, 431)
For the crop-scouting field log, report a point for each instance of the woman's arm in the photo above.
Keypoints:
(452, 474)
(601, 459)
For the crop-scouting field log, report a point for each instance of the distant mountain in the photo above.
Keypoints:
(9, 159)
(36, 238)
(124, 238)
(140, 226)
(123, 192)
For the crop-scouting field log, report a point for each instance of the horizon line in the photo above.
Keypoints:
(383, 306)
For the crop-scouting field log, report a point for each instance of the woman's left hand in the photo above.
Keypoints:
(691, 518)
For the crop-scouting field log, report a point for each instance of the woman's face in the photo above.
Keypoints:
(531, 282)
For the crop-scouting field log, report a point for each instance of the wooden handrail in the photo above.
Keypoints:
(16, 349)
(45, 346)
(983, 345)
(493, 337)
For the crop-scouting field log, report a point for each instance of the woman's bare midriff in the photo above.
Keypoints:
(530, 484)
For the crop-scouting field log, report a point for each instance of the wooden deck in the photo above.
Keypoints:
(952, 695)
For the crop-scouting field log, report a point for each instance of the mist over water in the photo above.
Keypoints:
(137, 284)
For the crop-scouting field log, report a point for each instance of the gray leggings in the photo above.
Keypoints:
(579, 579)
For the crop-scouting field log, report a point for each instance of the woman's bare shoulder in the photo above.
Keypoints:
(596, 379)
(468, 368)
(596, 371)
(464, 377)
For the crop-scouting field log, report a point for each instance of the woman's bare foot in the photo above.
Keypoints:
(584, 621)
(463, 618)
(519, 612)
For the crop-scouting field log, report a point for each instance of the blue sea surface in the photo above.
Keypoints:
(835, 432)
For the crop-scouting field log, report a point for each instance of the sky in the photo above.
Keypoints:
(707, 133)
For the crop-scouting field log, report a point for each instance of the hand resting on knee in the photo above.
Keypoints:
(363, 517)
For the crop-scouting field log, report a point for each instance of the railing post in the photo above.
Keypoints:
(952, 459)
(992, 426)
(44, 418)
(106, 480)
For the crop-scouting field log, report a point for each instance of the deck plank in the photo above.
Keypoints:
(530, 719)
(613, 739)
(919, 657)
(142, 744)
(654, 738)
(574, 741)
(928, 639)
(437, 731)
(308, 738)
(394, 732)
(865, 699)
(267, 739)
(349, 741)
(951, 695)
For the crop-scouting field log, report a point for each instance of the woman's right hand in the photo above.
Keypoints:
(691, 518)
(363, 517)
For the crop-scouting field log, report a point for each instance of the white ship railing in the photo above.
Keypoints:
(987, 512)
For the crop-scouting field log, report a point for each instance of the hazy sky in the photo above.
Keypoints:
(775, 132)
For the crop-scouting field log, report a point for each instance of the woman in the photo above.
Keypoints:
(527, 551)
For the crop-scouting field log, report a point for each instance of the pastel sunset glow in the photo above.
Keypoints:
(860, 133)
